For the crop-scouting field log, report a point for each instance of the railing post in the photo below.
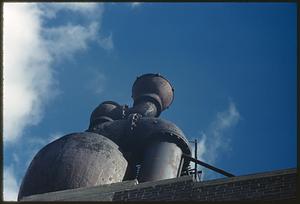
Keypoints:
(196, 171)
(220, 171)
(180, 166)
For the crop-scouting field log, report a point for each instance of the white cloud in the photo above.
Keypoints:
(50, 10)
(69, 39)
(29, 51)
(27, 75)
(201, 148)
(135, 4)
(215, 141)
(11, 187)
(96, 83)
(16, 158)
(106, 42)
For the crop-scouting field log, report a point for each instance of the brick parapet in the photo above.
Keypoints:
(274, 185)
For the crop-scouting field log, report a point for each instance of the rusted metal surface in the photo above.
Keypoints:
(74, 161)
(147, 129)
(114, 130)
(134, 133)
(106, 111)
(155, 88)
(144, 108)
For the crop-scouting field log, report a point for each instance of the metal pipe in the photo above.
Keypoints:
(208, 166)
(196, 172)
(180, 166)
(161, 161)
(145, 108)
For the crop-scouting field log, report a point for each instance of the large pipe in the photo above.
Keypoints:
(161, 144)
(144, 108)
(161, 161)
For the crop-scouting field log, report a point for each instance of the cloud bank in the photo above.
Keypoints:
(27, 73)
(215, 142)
(11, 187)
(31, 47)
(135, 4)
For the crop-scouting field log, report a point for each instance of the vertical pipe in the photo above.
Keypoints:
(180, 167)
(196, 171)
(161, 161)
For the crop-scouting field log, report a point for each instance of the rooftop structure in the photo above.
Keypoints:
(122, 146)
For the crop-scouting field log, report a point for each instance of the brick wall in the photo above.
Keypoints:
(264, 186)
(275, 185)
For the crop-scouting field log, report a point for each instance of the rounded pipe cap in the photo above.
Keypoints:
(153, 86)
(105, 112)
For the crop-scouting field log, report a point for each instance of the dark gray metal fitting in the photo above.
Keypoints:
(107, 111)
(154, 88)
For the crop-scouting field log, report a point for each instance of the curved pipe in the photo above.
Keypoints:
(145, 108)
(153, 88)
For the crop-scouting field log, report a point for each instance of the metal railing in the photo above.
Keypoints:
(197, 174)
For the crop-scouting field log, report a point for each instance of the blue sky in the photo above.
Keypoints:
(233, 66)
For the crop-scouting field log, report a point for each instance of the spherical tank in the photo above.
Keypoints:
(73, 161)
